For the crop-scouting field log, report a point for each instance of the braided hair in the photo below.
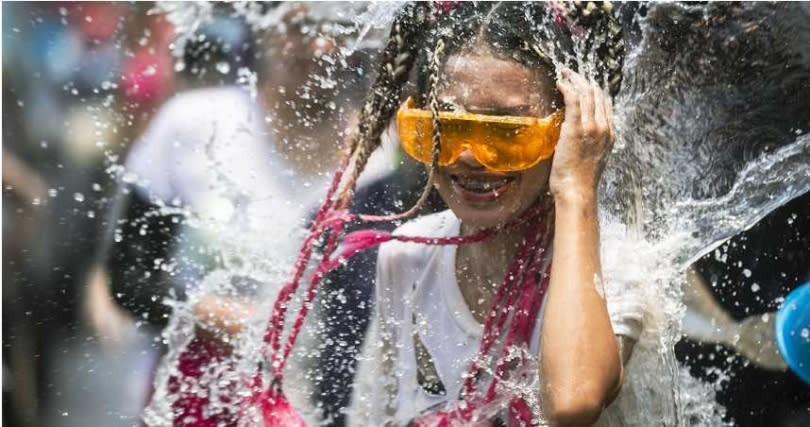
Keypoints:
(383, 97)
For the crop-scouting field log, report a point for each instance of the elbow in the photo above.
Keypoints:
(574, 409)
(581, 402)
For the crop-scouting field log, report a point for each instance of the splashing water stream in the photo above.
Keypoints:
(702, 154)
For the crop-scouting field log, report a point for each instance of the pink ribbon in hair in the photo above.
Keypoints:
(446, 6)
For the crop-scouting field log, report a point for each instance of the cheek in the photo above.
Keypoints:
(534, 181)
(443, 184)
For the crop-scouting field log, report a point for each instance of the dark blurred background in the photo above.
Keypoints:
(80, 82)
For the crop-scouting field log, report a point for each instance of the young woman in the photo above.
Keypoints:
(468, 300)
(464, 310)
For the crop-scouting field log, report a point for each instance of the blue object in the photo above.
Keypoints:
(792, 329)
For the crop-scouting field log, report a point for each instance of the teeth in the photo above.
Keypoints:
(481, 186)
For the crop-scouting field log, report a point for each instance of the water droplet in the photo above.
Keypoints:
(755, 287)
(79, 197)
(805, 333)
(150, 71)
(223, 67)
(129, 178)
(52, 192)
(746, 272)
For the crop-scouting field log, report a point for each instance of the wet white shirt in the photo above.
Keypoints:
(415, 280)
(210, 151)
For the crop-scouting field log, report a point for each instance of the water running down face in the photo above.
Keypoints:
(479, 82)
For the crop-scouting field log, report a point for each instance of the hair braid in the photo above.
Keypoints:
(605, 36)
(434, 69)
(397, 59)
(433, 98)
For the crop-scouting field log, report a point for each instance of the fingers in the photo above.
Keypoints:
(603, 114)
(585, 136)
(609, 112)
(586, 104)
(599, 113)
(579, 102)
(570, 96)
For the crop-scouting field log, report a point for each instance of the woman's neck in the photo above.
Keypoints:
(481, 267)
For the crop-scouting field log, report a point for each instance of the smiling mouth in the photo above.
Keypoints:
(481, 186)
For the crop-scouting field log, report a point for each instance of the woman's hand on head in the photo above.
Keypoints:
(585, 140)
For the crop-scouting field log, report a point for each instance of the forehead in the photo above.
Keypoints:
(476, 80)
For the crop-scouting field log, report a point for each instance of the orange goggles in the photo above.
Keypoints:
(500, 143)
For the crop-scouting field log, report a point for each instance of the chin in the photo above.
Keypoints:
(478, 219)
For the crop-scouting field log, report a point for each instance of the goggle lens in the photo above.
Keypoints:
(500, 143)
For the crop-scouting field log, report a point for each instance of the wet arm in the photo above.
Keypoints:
(222, 317)
(581, 364)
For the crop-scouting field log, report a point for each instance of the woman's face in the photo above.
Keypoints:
(478, 82)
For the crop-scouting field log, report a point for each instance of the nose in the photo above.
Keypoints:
(467, 159)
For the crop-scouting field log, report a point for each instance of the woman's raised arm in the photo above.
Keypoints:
(581, 364)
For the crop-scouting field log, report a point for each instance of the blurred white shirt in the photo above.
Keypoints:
(209, 151)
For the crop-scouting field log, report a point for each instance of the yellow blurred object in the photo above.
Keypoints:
(500, 143)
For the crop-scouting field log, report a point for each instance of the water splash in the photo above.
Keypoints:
(699, 158)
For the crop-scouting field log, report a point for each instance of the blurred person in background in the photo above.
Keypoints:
(166, 165)
(224, 158)
(23, 194)
(62, 117)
